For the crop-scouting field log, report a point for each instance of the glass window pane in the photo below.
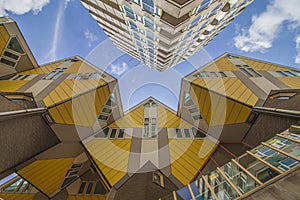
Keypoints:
(281, 74)
(113, 133)
(146, 130)
(99, 189)
(258, 169)
(220, 186)
(82, 186)
(239, 178)
(68, 180)
(106, 110)
(187, 133)
(289, 73)
(13, 186)
(11, 55)
(7, 62)
(193, 110)
(197, 133)
(103, 117)
(102, 134)
(184, 193)
(89, 188)
(275, 158)
(201, 190)
(178, 133)
(49, 76)
(121, 133)
(57, 75)
(15, 45)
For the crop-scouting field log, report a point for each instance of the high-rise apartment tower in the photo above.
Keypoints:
(163, 33)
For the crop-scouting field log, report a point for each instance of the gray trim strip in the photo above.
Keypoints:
(274, 80)
(249, 83)
(31, 83)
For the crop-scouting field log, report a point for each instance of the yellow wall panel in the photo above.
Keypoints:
(218, 110)
(231, 87)
(47, 175)
(82, 110)
(16, 196)
(11, 85)
(259, 65)
(4, 37)
(105, 152)
(187, 156)
(223, 64)
(292, 82)
(79, 67)
(243, 115)
(70, 88)
(167, 119)
(44, 69)
(133, 119)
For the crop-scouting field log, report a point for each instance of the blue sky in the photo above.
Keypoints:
(54, 29)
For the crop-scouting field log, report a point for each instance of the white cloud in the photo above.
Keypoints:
(119, 68)
(91, 37)
(20, 7)
(266, 27)
(56, 33)
(297, 58)
(67, 3)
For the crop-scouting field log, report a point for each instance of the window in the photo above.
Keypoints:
(280, 73)
(248, 71)
(146, 130)
(112, 101)
(178, 133)
(55, 74)
(106, 110)
(204, 74)
(18, 97)
(82, 76)
(195, 22)
(113, 133)
(158, 178)
(193, 110)
(197, 133)
(133, 26)
(102, 134)
(128, 12)
(187, 133)
(72, 174)
(121, 133)
(149, 23)
(150, 35)
(11, 55)
(197, 117)
(205, 4)
(150, 120)
(154, 129)
(12, 187)
(103, 117)
(20, 77)
(92, 187)
(290, 73)
(187, 100)
(15, 45)
(8, 62)
(215, 10)
(296, 72)
(148, 6)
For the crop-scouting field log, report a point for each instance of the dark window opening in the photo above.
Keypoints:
(15, 45)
